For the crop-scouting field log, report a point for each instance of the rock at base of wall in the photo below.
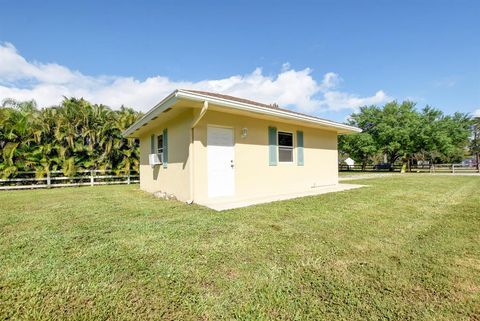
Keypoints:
(160, 194)
(164, 195)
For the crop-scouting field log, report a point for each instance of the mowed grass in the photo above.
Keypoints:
(359, 173)
(403, 248)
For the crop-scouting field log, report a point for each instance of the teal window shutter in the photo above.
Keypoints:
(165, 148)
(272, 146)
(152, 144)
(299, 148)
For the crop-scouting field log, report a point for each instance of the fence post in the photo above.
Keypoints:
(91, 178)
(128, 178)
(453, 168)
(48, 179)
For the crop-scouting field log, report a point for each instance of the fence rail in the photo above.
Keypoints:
(369, 168)
(434, 168)
(29, 180)
(446, 168)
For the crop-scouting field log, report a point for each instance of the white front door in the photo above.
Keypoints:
(221, 167)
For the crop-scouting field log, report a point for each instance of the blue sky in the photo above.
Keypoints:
(321, 57)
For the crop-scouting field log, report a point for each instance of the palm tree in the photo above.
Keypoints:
(74, 135)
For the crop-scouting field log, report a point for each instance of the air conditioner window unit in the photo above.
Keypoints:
(155, 159)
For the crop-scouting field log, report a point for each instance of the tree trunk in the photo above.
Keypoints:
(404, 164)
(392, 158)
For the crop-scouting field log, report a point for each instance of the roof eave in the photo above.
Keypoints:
(155, 111)
(171, 99)
(341, 128)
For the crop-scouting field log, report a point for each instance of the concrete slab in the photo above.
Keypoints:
(227, 203)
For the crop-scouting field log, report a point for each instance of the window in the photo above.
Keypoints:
(285, 147)
(160, 144)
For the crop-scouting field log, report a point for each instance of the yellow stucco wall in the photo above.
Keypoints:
(253, 174)
(175, 179)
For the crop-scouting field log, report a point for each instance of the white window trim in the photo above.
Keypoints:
(293, 147)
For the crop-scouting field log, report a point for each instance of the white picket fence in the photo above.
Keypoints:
(28, 180)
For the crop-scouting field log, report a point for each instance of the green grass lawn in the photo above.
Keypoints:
(402, 248)
(370, 173)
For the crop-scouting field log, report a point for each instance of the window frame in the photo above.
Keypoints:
(159, 149)
(291, 149)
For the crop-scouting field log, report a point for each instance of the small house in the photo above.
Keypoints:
(350, 163)
(201, 146)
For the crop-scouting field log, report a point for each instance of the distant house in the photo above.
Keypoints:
(350, 162)
(200, 146)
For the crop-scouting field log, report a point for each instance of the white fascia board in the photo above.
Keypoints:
(171, 99)
(264, 110)
(159, 108)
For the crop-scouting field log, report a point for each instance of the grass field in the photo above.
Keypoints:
(403, 248)
(369, 173)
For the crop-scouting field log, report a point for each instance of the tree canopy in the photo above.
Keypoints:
(402, 133)
(75, 135)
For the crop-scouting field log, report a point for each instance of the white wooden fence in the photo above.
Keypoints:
(29, 180)
(433, 168)
(446, 168)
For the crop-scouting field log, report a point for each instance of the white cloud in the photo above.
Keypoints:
(330, 80)
(337, 100)
(47, 83)
(476, 113)
(446, 82)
